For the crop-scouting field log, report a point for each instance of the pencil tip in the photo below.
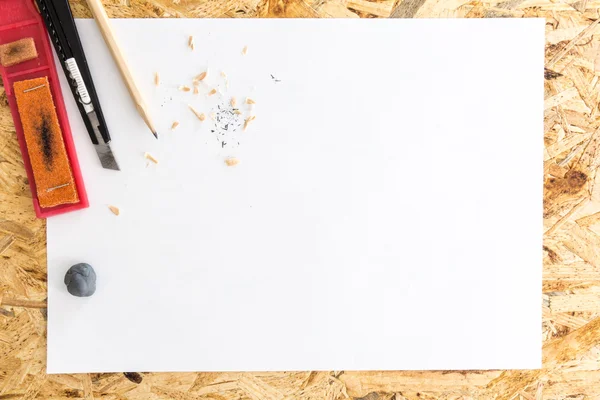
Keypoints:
(155, 134)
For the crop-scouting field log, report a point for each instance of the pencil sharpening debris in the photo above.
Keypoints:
(81, 280)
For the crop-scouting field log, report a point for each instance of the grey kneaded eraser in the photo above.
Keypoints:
(81, 280)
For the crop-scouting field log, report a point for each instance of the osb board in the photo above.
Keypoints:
(571, 286)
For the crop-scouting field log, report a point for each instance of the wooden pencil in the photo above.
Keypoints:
(109, 37)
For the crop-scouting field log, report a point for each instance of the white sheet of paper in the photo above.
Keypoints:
(386, 212)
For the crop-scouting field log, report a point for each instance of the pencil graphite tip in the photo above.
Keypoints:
(155, 134)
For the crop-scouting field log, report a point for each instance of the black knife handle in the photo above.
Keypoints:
(65, 38)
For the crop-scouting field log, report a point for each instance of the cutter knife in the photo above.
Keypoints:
(63, 34)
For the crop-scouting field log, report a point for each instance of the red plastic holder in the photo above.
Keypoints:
(20, 19)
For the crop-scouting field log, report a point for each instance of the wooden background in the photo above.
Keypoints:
(570, 300)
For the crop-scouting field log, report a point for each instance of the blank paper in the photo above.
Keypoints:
(386, 211)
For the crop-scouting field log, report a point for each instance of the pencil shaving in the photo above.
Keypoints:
(224, 75)
(250, 101)
(197, 113)
(151, 158)
(114, 210)
(191, 42)
(245, 50)
(184, 88)
(238, 112)
(175, 125)
(233, 102)
(231, 161)
(213, 116)
(248, 120)
(156, 79)
(201, 76)
(213, 91)
(196, 91)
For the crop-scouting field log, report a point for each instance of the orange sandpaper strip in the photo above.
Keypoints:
(17, 52)
(49, 161)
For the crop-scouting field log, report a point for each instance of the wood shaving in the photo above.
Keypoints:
(114, 210)
(184, 88)
(238, 112)
(200, 76)
(224, 75)
(245, 50)
(156, 79)
(196, 91)
(248, 120)
(151, 158)
(197, 113)
(214, 91)
(233, 102)
(175, 125)
(213, 116)
(232, 161)
(250, 101)
(191, 42)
